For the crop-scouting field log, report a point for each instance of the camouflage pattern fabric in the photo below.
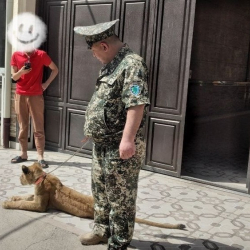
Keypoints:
(96, 33)
(114, 188)
(90, 40)
(122, 83)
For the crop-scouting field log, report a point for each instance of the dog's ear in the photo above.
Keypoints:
(25, 169)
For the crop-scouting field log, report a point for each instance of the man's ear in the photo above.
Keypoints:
(25, 169)
(105, 46)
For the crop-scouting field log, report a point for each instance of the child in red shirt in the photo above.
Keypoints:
(29, 98)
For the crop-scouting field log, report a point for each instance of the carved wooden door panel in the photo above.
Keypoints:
(173, 30)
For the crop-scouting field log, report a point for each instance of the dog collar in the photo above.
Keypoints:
(40, 179)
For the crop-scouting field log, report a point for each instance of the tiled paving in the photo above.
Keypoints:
(229, 171)
(217, 163)
(215, 218)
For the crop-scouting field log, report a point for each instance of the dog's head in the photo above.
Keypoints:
(31, 174)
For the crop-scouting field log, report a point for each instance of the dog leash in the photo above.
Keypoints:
(85, 141)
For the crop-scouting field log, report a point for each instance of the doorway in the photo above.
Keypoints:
(216, 142)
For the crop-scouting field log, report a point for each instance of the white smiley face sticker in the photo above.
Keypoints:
(26, 32)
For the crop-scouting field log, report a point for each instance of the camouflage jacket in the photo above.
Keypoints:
(121, 84)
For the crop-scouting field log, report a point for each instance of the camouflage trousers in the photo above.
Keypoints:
(114, 188)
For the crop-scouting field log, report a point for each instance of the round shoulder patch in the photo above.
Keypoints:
(135, 89)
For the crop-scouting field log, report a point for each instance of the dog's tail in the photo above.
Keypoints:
(161, 225)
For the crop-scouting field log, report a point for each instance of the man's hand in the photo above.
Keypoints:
(45, 86)
(24, 71)
(18, 73)
(126, 149)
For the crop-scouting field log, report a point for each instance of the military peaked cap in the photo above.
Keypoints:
(97, 32)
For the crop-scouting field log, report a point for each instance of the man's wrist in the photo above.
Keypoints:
(128, 139)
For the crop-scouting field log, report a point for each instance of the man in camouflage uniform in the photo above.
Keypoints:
(114, 120)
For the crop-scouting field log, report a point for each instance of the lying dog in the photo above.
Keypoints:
(51, 193)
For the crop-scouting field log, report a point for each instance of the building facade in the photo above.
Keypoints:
(198, 59)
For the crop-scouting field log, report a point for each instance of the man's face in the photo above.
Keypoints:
(99, 52)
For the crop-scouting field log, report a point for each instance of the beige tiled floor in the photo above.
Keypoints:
(215, 218)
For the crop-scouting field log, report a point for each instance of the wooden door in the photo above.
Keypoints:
(67, 98)
(173, 30)
(158, 30)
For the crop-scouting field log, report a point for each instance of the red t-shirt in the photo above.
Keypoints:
(31, 83)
